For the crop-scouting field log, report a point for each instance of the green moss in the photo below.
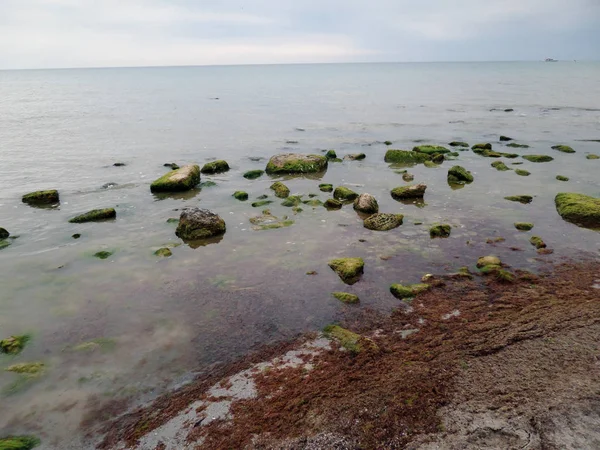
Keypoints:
(459, 175)
(515, 145)
(440, 230)
(13, 345)
(563, 148)
(4, 244)
(402, 292)
(332, 204)
(261, 203)
(331, 154)
(180, 180)
(296, 163)
(388, 143)
(494, 154)
(240, 195)
(537, 242)
(406, 157)
(281, 190)
(430, 165)
(431, 149)
(49, 197)
(458, 144)
(348, 269)
(486, 261)
(346, 298)
(172, 220)
(218, 166)
(489, 269)
(408, 192)
(313, 202)
(19, 442)
(352, 342)
(165, 252)
(538, 158)
(523, 226)
(103, 254)
(504, 276)
(562, 178)
(592, 156)
(36, 368)
(104, 344)
(482, 146)
(522, 172)
(326, 187)
(293, 200)
(344, 194)
(579, 209)
(207, 184)
(96, 215)
(525, 199)
(500, 166)
(253, 174)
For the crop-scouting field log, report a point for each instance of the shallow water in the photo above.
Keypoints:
(163, 319)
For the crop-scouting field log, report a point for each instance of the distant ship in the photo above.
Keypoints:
(550, 60)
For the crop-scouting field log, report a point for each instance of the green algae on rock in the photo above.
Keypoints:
(253, 174)
(482, 146)
(440, 230)
(292, 200)
(267, 221)
(13, 345)
(500, 166)
(4, 233)
(19, 442)
(523, 226)
(488, 261)
(383, 221)
(331, 154)
(348, 269)
(515, 145)
(459, 175)
(582, 210)
(431, 149)
(344, 194)
(103, 254)
(537, 242)
(402, 292)
(525, 199)
(407, 192)
(431, 165)
(563, 148)
(180, 180)
(4, 244)
(35, 368)
(95, 215)
(522, 172)
(240, 195)
(324, 187)
(313, 202)
(38, 198)
(332, 203)
(538, 158)
(261, 203)
(293, 163)
(281, 190)
(366, 203)
(387, 142)
(352, 342)
(406, 157)
(592, 156)
(505, 138)
(218, 166)
(196, 223)
(562, 178)
(165, 252)
(346, 297)
(458, 144)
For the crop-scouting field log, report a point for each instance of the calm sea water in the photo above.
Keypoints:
(161, 320)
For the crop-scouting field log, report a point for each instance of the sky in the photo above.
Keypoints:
(115, 33)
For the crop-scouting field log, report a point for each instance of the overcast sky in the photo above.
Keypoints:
(98, 33)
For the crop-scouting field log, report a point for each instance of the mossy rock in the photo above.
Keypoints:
(180, 180)
(355, 157)
(563, 148)
(505, 139)
(281, 190)
(366, 203)
(407, 192)
(19, 442)
(592, 156)
(482, 146)
(103, 254)
(261, 203)
(495, 154)
(525, 199)
(253, 174)
(344, 194)
(332, 203)
(458, 144)
(348, 269)
(293, 200)
(431, 149)
(102, 343)
(95, 215)
(438, 158)
(388, 143)
(580, 209)
(562, 178)
(406, 157)
(207, 184)
(538, 158)
(35, 368)
(38, 198)
(313, 202)
(164, 252)
(4, 233)
(383, 221)
(537, 242)
(488, 261)
(326, 187)
(459, 175)
(196, 223)
(13, 345)
(240, 195)
(4, 244)
(352, 342)
(295, 163)
(500, 166)
(523, 226)
(431, 165)
(218, 166)
(440, 230)
(408, 177)
(267, 221)
(522, 172)
(346, 298)
(515, 145)
(172, 166)
(402, 292)
(331, 154)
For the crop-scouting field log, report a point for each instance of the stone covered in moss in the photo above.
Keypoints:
(313, 202)
(406, 157)
(95, 215)
(281, 190)
(482, 146)
(525, 199)
(291, 163)
(19, 442)
(103, 254)
(267, 221)
(431, 149)
(408, 177)
(505, 139)
(412, 191)
(346, 298)
(36, 368)
(348, 269)
(459, 175)
(344, 194)
(537, 242)
(180, 180)
(579, 209)
(523, 226)
(172, 166)
(331, 154)
(218, 166)
(431, 165)
(440, 230)
(366, 203)
(402, 292)
(592, 156)
(293, 200)
(500, 166)
(522, 172)
(164, 252)
(332, 203)
(38, 198)
(538, 158)
(562, 178)
(458, 144)
(261, 203)
(326, 187)
(4, 244)
(383, 221)
(196, 223)
(488, 261)
(515, 145)
(563, 148)
(352, 342)
(253, 174)
(13, 345)
(240, 195)
(4, 233)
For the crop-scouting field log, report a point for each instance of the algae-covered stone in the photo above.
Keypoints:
(253, 174)
(592, 156)
(331, 154)
(180, 180)
(332, 203)
(172, 166)
(352, 342)
(4, 244)
(4, 233)
(13, 345)
(383, 221)
(346, 298)
(103, 254)
(164, 252)
(218, 166)
(562, 178)
(344, 194)
(538, 158)
(515, 145)
(563, 148)
(326, 187)
(440, 230)
(431, 149)
(522, 172)
(36, 368)
(355, 157)
(261, 203)
(281, 190)
(488, 261)
(408, 177)
(579, 209)
(348, 269)
(95, 215)
(296, 163)
(525, 199)
(459, 175)
(458, 144)
(537, 242)
(430, 165)
(293, 200)
(196, 223)
(240, 195)
(500, 166)
(437, 159)
(366, 203)
(406, 156)
(402, 292)
(36, 198)
(482, 146)
(313, 202)
(412, 191)
(506, 139)
(523, 226)
(19, 442)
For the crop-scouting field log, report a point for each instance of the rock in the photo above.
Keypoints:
(482, 146)
(387, 142)
(366, 203)
(509, 110)
(326, 187)
(183, 179)
(4, 244)
(196, 223)
(76, 236)
(523, 226)
(331, 154)
(19, 442)
(207, 184)
(355, 157)
(119, 164)
(406, 157)
(36, 368)
(332, 204)
(458, 144)
(109, 185)
(579, 209)
(522, 172)
(383, 221)
(281, 190)
(505, 139)
(412, 191)
(165, 252)
(440, 230)
(4, 233)
(515, 145)
(267, 221)
(402, 292)
(459, 175)
(563, 148)
(437, 159)
(525, 199)
(173, 166)
(592, 156)
(41, 198)
(538, 158)
(348, 269)
(488, 261)
(344, 194)
(430, 165)
(218, 166)
(103, 254)
(253, 174)
(537, 242)
(500, 166)
(408, 177)
(352, 342)
(313, 202)
(346, 298)
(296, 163)
(261, 203)
(95, 215)
(172, 220)
(431, 149)
(293, 200)
(562, 178)
(240, 195)
(13, 345)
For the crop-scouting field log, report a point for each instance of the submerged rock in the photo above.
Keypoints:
(19, 442)
(109, 185)
(538, 158)
(579, 209)
(313, 202)
(196, 223)
(506, 139)
(13, 345)
(281, 190)
(180, 180)
(500, 166)
(165, 252)
(355, 157)
(522, 172)
(525, 199)
(430, 165)
(562, 178)
(332, 203)
(36, 198)
(563, 148)
(406, 156)
(326, 187)
(482, 146)
(402, 292)
(173, 166)
(523, 226)
(261, 203)
(346, 298)
(348, 269)
(4, 233)
(488, 261)
(412, 191)
(296, 163)
(240, 195)
(36, 368)
(95, 215)
(537, 242)
(366, 203)
(103, 254)
(293, 200)
(388, 143)
(408, 177)
(458, 144)
(592, 156)
(383, 221)
(515, 145)
(253, 174)
(267, 221)
(331, 154)
(431, 149)
(344, 194)
(440, 230)
(459, 175)
(218, 166)
(352, 342)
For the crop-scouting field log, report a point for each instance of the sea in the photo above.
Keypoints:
(134, 326)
